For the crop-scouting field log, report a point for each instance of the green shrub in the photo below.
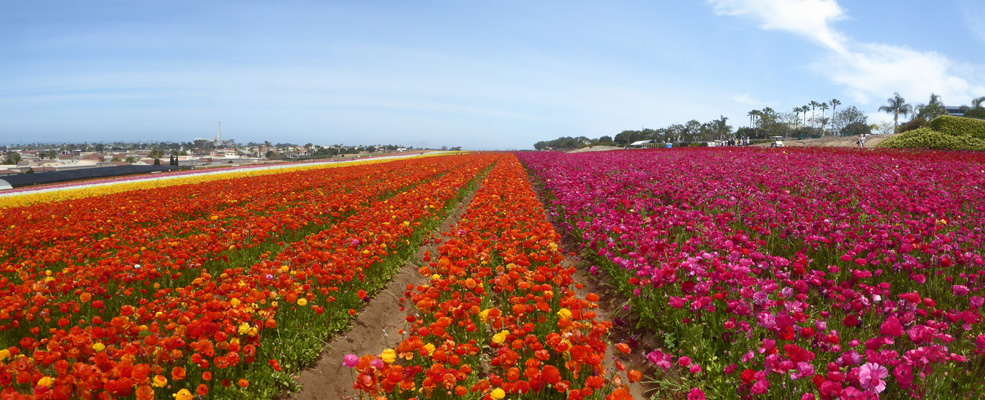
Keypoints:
(913, 124)
(958, 126)
(928, 138)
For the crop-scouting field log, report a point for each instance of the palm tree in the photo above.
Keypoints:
(796, 113)
(754, 117)
(823, 107)
(804, 109)
(977, 102)
(834, 105)
(813, 105)
(897, 105)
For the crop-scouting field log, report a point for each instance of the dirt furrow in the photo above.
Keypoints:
(374, 329)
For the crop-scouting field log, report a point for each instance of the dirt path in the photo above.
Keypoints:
(610, 309)
(871, 141)
(374, 328)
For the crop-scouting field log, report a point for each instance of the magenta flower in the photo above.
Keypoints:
(760, 387)
(350, 360)
(871, 377)
(696, 394)
(891, 327)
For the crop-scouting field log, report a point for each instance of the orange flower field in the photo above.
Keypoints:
(499, 316)
(221, 288)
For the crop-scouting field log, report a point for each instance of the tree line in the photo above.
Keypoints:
(809, 120)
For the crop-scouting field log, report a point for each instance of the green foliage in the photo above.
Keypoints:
(928, 138)
(915, 123)
(856, 128)
(562, 143)
(12, 158)
(958, 126)
(975, 113)
(944, 132)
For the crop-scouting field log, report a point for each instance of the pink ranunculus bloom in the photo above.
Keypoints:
(760, 387)
(891, 327)
(350, 360)
(872, 377)
(696, 394)
(684, 361)
(959, 290)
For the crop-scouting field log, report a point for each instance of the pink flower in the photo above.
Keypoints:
(696, 394)
(684, 361)
(959, 290)
(760, 387)
(350, 360)
(871, 377)
(891, 327)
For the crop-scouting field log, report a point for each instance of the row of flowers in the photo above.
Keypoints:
(231, 216)
(225, 329)
(797, 274)
(103, 187)
(498, 316)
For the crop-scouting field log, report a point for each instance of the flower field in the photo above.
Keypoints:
(498, 317)
(797, 274)
(207, 288)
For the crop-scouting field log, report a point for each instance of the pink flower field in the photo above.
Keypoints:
(795, 274)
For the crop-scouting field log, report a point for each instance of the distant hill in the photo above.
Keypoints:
(945, 133)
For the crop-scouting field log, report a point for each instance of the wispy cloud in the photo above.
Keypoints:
(749, 100)
(868, 71)
(974, 19)
(808, 18)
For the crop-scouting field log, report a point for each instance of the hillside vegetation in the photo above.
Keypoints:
(944, 132)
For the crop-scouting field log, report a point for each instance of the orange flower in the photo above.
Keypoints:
(623, 348)
(178, 373)
(551, 374)
(243, 383)
(145, 392)
(634, 375)
(202, 390)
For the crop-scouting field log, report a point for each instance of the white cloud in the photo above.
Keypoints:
(875, 71)
(869, 71)
(808, 18)
(749, 100)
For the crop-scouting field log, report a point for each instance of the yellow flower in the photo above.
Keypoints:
(99, 347)
(183, 394)
(484, 315)
(46, 381)
(497, 394)
(302, 302)
(159, 381)
(389, 356)
(430, 348)
(4, 354)
(243, 328)
(500, 337)
(564, 313)
(235, 302)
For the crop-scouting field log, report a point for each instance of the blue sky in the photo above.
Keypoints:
(482, 75)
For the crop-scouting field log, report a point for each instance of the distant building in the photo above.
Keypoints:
(954, 111)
